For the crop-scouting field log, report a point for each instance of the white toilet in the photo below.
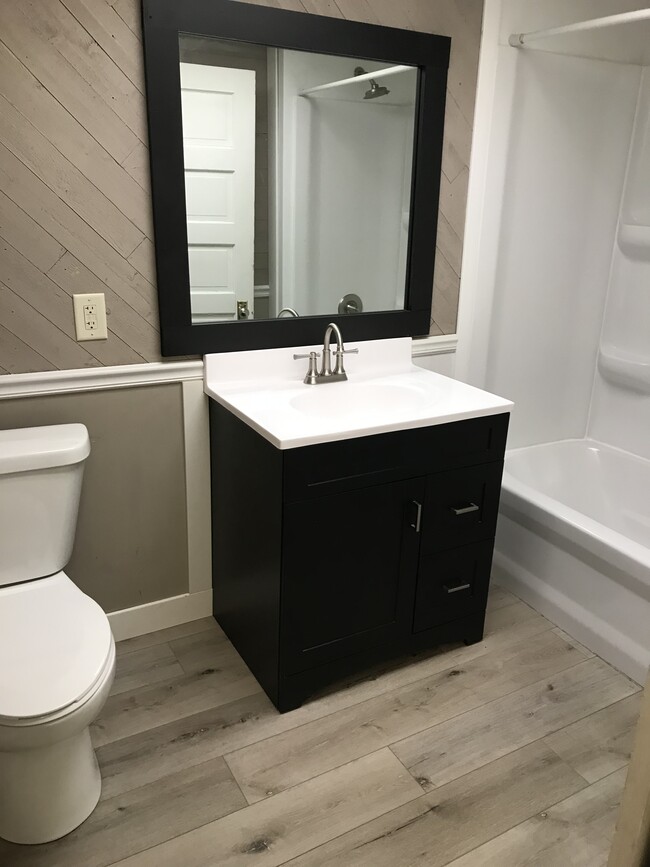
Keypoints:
(57, 654)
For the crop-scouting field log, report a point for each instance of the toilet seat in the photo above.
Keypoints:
(69, 711)
(56, 648)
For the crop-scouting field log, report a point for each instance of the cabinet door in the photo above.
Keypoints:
(349, 571)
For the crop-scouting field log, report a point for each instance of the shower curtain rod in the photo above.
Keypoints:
(379, 73)
(519, 40)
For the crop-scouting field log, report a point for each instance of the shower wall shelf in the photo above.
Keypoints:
(366, 76)
(634, 240)
(628, 371)
(622, 38)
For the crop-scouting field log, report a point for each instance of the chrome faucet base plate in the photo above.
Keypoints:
(321, 378)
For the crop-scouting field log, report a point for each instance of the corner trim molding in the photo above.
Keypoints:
(94, 378)
(160, 614)
(196, 428)
(435, 345)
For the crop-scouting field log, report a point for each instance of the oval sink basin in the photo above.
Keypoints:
(359, 400)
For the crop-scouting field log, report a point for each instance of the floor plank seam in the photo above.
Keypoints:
(270, 798)
(490, 701)
(455, 780)
(424, 791)
(354, 704)
(555, 752)
(390, 746)
(388, 692)
(591, 713)
(239, 786)
(532, 816)
(175, 836)
(315, 776)
(122, 653)
(210, 799)
(420, 731)
(512, 753)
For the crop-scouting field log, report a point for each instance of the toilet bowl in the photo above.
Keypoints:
(57, 653)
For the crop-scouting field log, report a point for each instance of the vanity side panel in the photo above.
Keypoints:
(246, 542)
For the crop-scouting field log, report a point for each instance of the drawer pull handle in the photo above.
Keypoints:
(457, 588)
(465, 510)
(418, 516)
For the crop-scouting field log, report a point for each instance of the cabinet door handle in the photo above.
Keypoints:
(418, 516)
(457, 588)
(464, 510)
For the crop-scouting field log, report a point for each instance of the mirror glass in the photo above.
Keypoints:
(297, 180)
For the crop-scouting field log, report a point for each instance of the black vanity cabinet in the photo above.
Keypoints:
(331, 557)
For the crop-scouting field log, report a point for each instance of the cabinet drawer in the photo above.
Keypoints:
(461, 506)
(328, 468)
(452, 584)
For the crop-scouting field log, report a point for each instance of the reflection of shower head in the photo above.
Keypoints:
(375, 90)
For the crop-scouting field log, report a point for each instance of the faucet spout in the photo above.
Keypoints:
(326, 374)
(332, 328)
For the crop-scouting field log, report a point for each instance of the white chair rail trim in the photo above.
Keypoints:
(92, 378)
(435, 345)
(157, 372)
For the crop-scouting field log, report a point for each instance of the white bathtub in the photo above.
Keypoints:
(573, 541)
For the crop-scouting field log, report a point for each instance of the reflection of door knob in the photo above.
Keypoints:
(350, 303)
(242, 310)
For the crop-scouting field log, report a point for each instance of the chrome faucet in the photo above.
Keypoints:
(326, 374)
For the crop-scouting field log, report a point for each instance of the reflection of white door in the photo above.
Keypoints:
(219, 145)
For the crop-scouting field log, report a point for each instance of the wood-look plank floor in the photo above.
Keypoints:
(510, 752)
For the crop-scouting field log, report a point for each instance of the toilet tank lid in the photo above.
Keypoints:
(38, 448)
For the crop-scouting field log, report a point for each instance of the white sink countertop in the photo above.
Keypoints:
(384, 392)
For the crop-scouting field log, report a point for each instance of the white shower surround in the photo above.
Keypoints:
(555, 314)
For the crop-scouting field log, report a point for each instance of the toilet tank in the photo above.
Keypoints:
(41, 470)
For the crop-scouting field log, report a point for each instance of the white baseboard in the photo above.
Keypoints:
(160, 614)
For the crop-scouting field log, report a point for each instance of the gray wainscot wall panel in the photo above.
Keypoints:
(131, 543)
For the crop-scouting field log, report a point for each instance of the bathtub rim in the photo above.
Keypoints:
(527, 505)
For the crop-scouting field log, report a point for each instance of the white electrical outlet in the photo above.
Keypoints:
(90, 316)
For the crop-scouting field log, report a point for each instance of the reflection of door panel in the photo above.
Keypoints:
(219, 146)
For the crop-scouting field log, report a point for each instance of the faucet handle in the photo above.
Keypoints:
(312, 371)
(307, 355)
(339, 369)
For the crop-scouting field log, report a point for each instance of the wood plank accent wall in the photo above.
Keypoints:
(75, 212)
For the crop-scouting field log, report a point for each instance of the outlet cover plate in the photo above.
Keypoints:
(90, 316)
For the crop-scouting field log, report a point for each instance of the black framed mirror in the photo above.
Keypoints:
(295, 169)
